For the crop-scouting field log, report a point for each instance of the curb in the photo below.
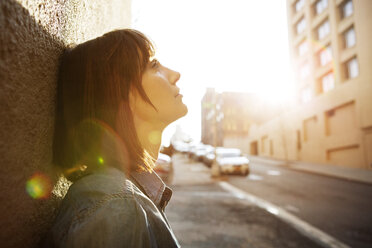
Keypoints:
(354, 180)
(292, 166)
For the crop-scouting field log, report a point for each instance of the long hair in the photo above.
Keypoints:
(94, 82)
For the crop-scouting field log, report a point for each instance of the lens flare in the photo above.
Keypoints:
(155, 137)
(100, 160)
(39, 186)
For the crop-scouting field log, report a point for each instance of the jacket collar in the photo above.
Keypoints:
(153, 187)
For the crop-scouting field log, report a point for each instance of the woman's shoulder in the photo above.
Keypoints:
(102, 187)
(107, 181)
(105, 202)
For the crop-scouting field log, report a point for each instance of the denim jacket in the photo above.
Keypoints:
(106, 209)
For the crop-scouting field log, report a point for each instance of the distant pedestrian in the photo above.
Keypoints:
(114, 99)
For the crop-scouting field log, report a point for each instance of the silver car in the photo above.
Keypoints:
(230, 161)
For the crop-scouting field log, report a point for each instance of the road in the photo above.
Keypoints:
(202, 214)
(338, 207)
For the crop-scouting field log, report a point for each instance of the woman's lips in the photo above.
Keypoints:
(179, 95)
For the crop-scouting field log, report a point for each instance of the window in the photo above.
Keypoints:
(323, 30)
(298, 140)
(310, 128)
(299, 5)
(300, 26)
(352, 68)
(347, 9)
(303, 48)
(306, 95)
(304, 70)
(349, 37)
(320, 6)
(328, 82)
(325, 56)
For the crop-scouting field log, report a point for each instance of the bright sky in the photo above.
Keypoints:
(235, 45)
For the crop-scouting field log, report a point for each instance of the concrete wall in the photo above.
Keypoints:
(32, 36)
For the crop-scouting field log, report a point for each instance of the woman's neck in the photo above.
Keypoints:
(149, 136)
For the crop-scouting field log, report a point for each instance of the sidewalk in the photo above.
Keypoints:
(351, 174)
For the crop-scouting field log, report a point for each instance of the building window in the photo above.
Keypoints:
(304, 70)
(310, 128)
(299, 5)
(328, 82)
(298, 140)
(303, 48)
(320, 6)
(306, 95)
(352, 68)
(325, 56)
(349, 37)
(347, 9)
(323, 30)
(300, 26)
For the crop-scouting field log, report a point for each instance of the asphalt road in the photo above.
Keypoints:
(202, 214)
(338, 207)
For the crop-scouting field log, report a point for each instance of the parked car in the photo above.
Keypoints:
(194, 150)
(181, 146)
(164, 168)
(202, 152)
(209, 157)
(230, 161)
(167, 150)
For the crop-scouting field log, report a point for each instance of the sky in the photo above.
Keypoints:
(235, 45)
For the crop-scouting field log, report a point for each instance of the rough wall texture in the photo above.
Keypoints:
(32, 36)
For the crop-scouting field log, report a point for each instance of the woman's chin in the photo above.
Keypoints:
(181, 113)
(185, 111)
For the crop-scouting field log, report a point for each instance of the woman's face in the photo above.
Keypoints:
(159, 83)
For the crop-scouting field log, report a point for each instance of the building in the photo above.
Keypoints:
(331, 122)
(211, 118)
(232, 113)
(331, 52)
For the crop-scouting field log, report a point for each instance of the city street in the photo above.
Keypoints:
(203, 214)
(338, 207)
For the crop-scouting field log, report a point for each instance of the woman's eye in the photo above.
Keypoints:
(154, 63)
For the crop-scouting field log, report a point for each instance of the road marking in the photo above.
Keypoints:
(273, 173)
(291, 208)
(254, 177)
(303, 227)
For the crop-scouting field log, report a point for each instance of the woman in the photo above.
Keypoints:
(114, 100)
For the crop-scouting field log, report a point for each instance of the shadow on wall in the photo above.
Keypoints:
(28, 72)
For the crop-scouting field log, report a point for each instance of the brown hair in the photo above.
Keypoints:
(94, 82)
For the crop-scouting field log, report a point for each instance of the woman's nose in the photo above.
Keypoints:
(175, 76)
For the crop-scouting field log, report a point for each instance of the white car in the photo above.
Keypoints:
(230, 161)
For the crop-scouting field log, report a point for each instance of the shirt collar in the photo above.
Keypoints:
(153, 187)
